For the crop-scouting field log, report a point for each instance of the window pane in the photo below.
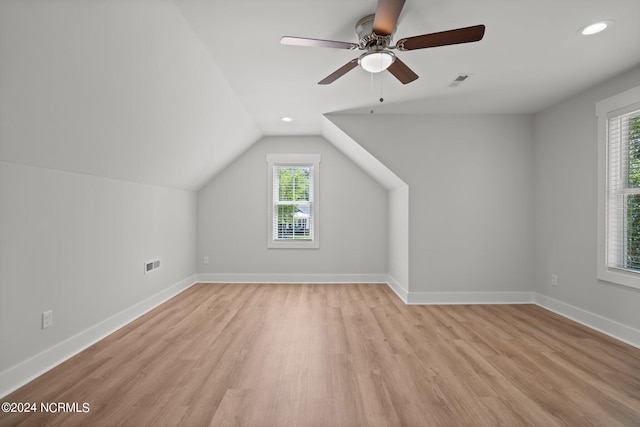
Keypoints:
(632, 238)
(632, 226)
(293, 200)
(293, 183)
(293, 221)
(634, 152)
(619, 188)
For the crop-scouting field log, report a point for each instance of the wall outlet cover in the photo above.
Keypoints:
(47, 319)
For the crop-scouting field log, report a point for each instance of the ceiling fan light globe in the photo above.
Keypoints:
(376, 62)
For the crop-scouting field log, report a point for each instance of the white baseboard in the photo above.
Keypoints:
(18, 375)
(398, 288)
(292, 278)
(450, 298)
(594, 321)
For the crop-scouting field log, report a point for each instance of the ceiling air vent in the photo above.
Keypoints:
(458, 80)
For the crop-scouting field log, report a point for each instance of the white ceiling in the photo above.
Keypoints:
(116, 89)
(168, 92)
(531, 56)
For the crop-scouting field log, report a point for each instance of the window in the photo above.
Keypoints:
(619, 189)
(293, 200)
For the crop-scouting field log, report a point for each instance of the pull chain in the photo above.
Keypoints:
(373, 91)
(372, 94)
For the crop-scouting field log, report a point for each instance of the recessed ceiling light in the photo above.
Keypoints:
(595, 28)
(286, 119)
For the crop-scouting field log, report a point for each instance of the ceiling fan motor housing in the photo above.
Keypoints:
(375, 33)
(367, 39)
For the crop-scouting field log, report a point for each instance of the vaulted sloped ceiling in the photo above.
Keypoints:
(168, 92)
(118, 89)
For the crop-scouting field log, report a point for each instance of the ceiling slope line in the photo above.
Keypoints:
(397, 201)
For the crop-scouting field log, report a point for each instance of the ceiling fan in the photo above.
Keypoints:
(374, 35)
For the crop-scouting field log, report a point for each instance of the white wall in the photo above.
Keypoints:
(99, 117)
(76, 244)
(233, 229)
(565, 206)
(470, 195)
(398, 237)
(397, 204)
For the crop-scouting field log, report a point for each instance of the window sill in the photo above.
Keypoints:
(620, 277)
(295, 244)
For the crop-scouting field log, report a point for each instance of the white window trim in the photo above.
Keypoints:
(603, 108)
(294, 160)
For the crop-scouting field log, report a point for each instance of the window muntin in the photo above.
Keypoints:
(293, 200)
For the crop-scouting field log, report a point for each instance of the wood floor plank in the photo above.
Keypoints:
(340, 355)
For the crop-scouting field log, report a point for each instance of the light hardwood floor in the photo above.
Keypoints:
(341, 355)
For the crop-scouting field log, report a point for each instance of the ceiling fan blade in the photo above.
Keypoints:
(339, 72)
(303, 41)
(387, 13)
(444, 38)
(402, 71)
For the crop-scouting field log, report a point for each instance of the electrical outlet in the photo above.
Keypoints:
(554, 279)
(205, 260)
(47, 319)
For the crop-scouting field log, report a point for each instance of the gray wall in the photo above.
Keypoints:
(470, 195)
(76, 244)
(232, 217)
(565, 159)
(110, 108)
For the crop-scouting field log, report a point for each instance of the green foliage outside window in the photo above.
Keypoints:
(294, 183)
(633, 201)
(293, 186)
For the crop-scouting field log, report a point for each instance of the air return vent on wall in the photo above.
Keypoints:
(150, 266)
